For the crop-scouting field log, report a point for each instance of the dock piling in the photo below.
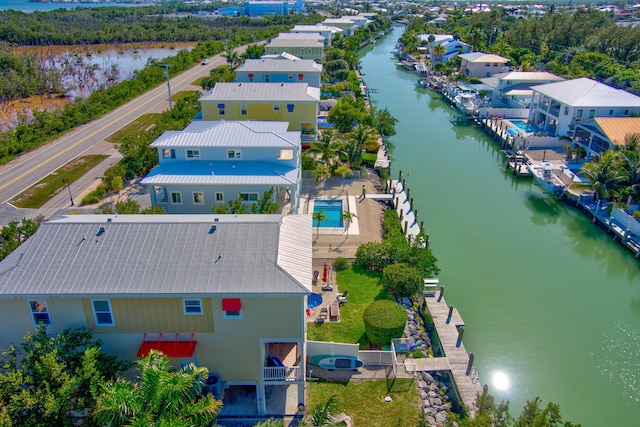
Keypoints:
(450, 314)
(460, 333)
(441, 293)
(470, 364)
(406, 227)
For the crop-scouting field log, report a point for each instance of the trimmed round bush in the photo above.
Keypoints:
(384, 320)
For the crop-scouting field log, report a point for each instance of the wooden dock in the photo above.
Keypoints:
(456, 358)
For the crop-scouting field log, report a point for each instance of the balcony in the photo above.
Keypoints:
(282, 373)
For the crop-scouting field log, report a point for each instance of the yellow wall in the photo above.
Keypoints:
(302, 112)
(152, 315)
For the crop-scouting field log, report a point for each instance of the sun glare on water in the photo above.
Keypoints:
(500, 381)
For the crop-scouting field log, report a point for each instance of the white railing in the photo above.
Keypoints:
(282, 373)
(376, 357)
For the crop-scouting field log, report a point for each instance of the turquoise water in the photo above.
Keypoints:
(549, 300)
(522, 124)
(332, 209)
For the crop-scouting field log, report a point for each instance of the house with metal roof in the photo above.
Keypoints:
(296, 103)
(227, 292)
(604, 133)
(304, 46)
(452, 46)
(346, 25)
(328, 32)
(513, 89)
(479, 64)
(278, 71)
(557, 107)
(209, 164)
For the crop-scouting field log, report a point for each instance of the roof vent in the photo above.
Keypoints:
(108, 219)
(213, 229)
(100, 232)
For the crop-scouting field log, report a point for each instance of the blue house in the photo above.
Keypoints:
(280, 71)
(211, 163)
(231, 11)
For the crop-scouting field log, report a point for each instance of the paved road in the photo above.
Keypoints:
(20, 174)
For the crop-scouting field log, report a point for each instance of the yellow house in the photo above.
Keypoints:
(226, 292)
(296, 103)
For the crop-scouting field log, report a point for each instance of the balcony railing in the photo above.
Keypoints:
(282, 373)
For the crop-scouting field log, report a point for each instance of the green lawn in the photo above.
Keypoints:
(41, 192)
(143, 122)
(364, 287)
(364, 401)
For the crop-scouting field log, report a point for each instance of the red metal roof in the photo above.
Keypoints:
(175, 348)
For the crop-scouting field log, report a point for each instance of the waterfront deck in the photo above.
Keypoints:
(456, 358)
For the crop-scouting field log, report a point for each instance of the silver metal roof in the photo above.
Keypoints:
(225, 172)
(528, 75)
(257, 92)
(585, 92)
(231, 134)
(162, 255)
(275, 65)
(296, 42)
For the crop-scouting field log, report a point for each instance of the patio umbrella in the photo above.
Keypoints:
(324, 274)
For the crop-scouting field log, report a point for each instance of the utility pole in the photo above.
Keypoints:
(166, 74)
(66, 181)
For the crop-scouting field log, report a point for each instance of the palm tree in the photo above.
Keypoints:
(628, 167)
(439, 50)
(359, 138)
(322, 413)
(318, 217)
(232, 57)
(162, 397)
(347, 217)
(326, 147)
(602, 174)
(343, 171)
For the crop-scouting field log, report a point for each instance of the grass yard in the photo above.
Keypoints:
(364, 401)
(364, 287)
(41, 192)
(143, 122)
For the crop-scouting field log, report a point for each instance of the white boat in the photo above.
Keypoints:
(467, 103)
(546, 174)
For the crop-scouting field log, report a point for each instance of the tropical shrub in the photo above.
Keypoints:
(340, 264)
(384, 320)
(372, 255)
(401, 280)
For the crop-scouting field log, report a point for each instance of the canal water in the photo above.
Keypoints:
(551, 303)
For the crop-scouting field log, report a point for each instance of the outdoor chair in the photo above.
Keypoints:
(342, 298)
(327, 287)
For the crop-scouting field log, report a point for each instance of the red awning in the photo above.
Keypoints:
(231, 304)
(175, 348)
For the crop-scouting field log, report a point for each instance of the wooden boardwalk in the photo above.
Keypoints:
(456, 358)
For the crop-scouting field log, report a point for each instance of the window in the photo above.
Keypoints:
(232, 308)
(168, 153)
(198, 198)
(566, 110)
(176, 198)
(592, 114)
(266, 78)
(102, 312)
(290, 76)
(496, 64)
(290, 108)
(39, 312)
(300, 76)
(250, 77)
(234, 154)
(579, 114)
(193, 154)
(249, 197)
(611, 112)
(626, 112)
(487, 64)
(221, 109)
(220, 197)
(276, 107)
(192, 306)
(243, 110)
(309, 51)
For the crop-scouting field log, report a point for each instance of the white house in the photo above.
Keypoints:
(479, 64)
(227, 292)
(513, 89)
(346, 25)
(604, 133)
(326, 31)
(211, 163)
(452, 46)
(557, 107)
(304, 46)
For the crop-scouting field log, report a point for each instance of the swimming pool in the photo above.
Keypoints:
(522, 124)
(513, 131)
(332, 209)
